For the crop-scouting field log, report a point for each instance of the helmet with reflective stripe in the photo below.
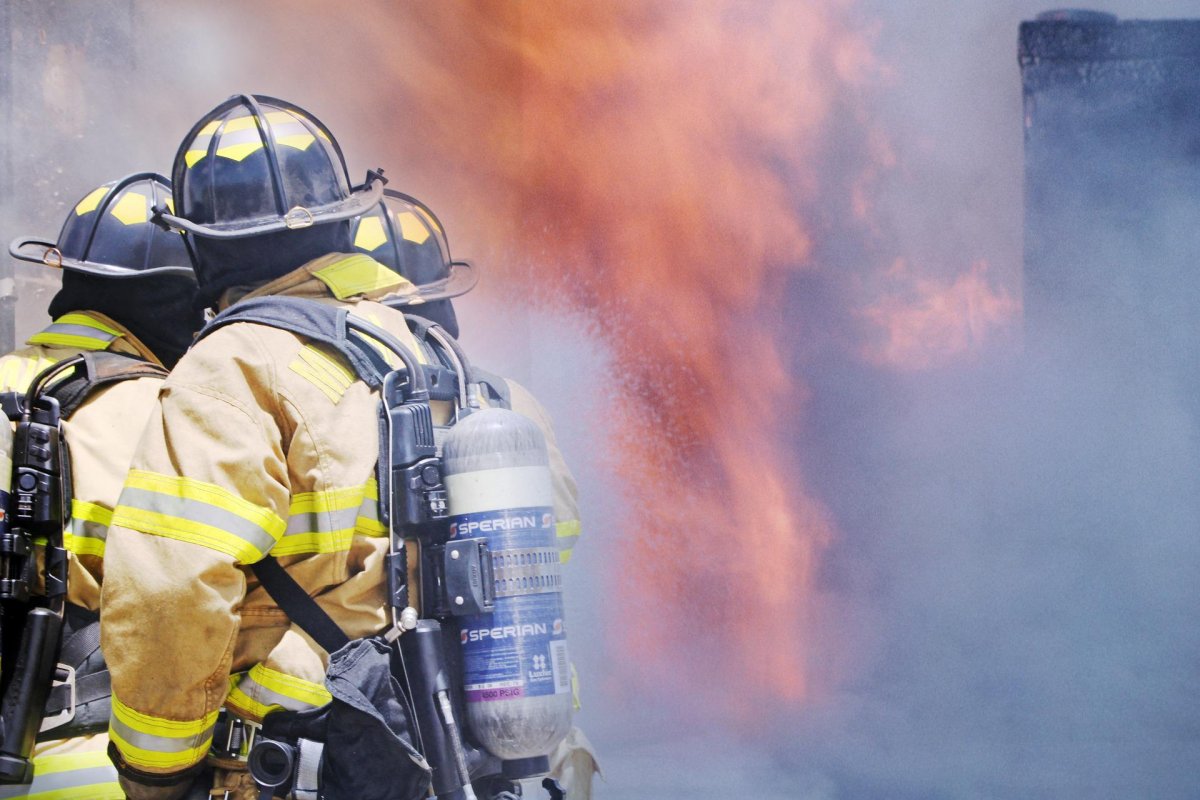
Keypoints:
(255, 165)
(109, 233)
(403, 234)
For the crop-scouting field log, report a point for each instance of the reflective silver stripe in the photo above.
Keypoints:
(321, 521)
(369, 508)
(59, 781)
(158, 744)
(196, 511)
(87, 529)
(84, 331)
(261, 694)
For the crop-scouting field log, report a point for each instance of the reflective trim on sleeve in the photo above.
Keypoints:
(197, 512)
(568, 534)
(149, 742)
(262, 690)
(358, 274)
(87, 531)
(77, 330)
(369, 522)
(326, 522)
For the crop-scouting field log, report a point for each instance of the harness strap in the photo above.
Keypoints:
(299, 606)
(317, 321)
(495, 386)
(80, 645)
(84, 690)
(100, 368)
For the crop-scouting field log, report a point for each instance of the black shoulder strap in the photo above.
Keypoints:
(442, 381)
(300, 608)
(320, 322)
(100, 368)
(496, 388)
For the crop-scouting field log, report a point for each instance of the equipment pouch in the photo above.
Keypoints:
(366, 729)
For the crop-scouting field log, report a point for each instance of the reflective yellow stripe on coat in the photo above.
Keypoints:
(69, 776)
(262, 690)
(568, 534)
(326, 522)
(77, 330)
(87, 529)
(149, 742)
(197, 512)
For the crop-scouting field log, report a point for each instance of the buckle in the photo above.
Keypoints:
(63, 676)
(233, 737)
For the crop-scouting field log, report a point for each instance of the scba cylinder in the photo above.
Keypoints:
(516, 671)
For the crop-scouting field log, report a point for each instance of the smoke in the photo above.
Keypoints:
(845, 538)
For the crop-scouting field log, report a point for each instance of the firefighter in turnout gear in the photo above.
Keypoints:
(127, 301)
(262, 442)
(405, 235)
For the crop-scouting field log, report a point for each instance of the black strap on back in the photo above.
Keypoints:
(300, 608)
(314, 320)
(95, 370)
(100, 368)
(89, 695)
(442, 380)
(496, 387)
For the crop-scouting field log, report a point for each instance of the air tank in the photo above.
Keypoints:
(516, 671)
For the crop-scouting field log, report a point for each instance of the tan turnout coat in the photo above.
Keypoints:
(102, 435)
(262, 442)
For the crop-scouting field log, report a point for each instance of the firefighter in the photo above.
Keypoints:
(262, 442)
(405, 235)
(128, 289)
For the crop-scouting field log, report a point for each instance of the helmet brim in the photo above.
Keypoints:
(462, 279)
(360, 201)
(40, 251)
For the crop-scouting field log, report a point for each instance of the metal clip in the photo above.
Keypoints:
(68, 713)
(51, 263)
(294, 221)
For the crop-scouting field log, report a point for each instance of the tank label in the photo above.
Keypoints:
(508, 523)
(505, 657)
(519, 650)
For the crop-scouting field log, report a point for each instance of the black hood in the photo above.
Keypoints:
(224, 263)
(160, 310)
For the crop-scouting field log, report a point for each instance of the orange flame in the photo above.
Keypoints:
(661, 166)
(650, 155)
(922, 323)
